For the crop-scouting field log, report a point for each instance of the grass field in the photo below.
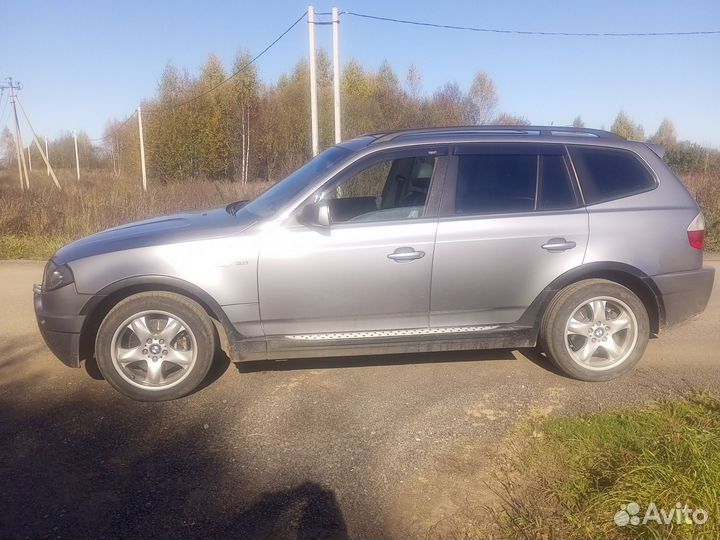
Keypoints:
(568, 477)
(35, 223)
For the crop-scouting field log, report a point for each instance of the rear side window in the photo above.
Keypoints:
(607, 174)
(509, 183)
(556, 192)
(492, 183)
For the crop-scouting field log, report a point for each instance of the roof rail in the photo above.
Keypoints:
(512, 130)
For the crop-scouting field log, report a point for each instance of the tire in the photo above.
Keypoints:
(155, 346)
(582, 349)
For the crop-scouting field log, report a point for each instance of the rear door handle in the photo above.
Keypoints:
(556, 245)
(402, 254)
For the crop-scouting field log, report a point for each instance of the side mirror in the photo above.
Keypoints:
(316, 215)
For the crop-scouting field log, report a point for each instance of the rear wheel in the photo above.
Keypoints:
(155, 346)
(595, 330)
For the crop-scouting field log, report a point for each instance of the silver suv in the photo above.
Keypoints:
(418, 240)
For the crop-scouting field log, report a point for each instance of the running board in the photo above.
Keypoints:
(390, 333)
(417, 340)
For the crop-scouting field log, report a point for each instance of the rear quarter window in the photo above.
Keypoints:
(606, 174)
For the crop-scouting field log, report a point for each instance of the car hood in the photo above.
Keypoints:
(157, 231)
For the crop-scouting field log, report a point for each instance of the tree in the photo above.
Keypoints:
(578, 122)
(8, 153)
(389, 108)
(413, 82)
(122, 140)
(285, 131)
(665, 134)
(245, 105)
(169, 126)
(505, 119)
(625, 127)
(357, 87)
(449, 106)
(212, 130)
(483, 98)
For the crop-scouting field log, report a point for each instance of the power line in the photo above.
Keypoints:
(114, 131)
(243, 67)
(529, 32)
(210, 90)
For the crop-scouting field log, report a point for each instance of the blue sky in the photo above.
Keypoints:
(84, 62)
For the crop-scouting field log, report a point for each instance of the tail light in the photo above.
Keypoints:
(696, 232)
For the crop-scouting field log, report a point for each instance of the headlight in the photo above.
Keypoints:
(56, 276)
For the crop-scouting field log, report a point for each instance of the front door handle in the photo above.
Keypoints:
(557, 245)
(402, 254)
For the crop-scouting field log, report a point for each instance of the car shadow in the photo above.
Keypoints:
(303, 512)
(83, 464)
(374, 360)
(540, 359)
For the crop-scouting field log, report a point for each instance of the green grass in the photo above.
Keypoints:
(14, 246)
(570, 476)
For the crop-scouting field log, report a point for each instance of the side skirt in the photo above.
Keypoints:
(419, 340)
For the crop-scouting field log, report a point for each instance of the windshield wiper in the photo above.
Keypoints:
(233, 207)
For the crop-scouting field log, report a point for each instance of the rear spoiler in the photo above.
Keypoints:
(659, 149)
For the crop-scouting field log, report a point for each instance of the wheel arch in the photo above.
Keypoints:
(101, 303)
(624, 274)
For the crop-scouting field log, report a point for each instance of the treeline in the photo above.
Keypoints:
(61, 151)
(250, 130)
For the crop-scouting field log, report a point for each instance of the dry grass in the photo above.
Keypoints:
(705, 187)
(33, 224)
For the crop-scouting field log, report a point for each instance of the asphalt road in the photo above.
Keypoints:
(397, 446)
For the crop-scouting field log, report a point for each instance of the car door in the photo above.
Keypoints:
(369, 271)
(510, 223)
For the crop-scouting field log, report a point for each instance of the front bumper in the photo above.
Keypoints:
(60, 322)
(685, 294)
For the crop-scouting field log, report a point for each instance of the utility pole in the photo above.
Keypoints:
(336, 73)
(17, 144)
(77, 157)
(313, 83)
(142, 149)
(24, 180)
(47, 156)
(37, 144)
(29, 158)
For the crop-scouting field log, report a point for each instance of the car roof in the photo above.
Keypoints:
(490, 133)
(494, 130)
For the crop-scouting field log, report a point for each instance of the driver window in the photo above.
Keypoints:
(386, 191)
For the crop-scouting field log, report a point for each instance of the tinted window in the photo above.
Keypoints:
(606, 174)
(556, 192)
(492, 183)
(389, 190)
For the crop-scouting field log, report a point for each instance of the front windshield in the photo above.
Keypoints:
(275, 198)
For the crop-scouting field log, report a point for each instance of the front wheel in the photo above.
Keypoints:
(155, 346)
(595, 330)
